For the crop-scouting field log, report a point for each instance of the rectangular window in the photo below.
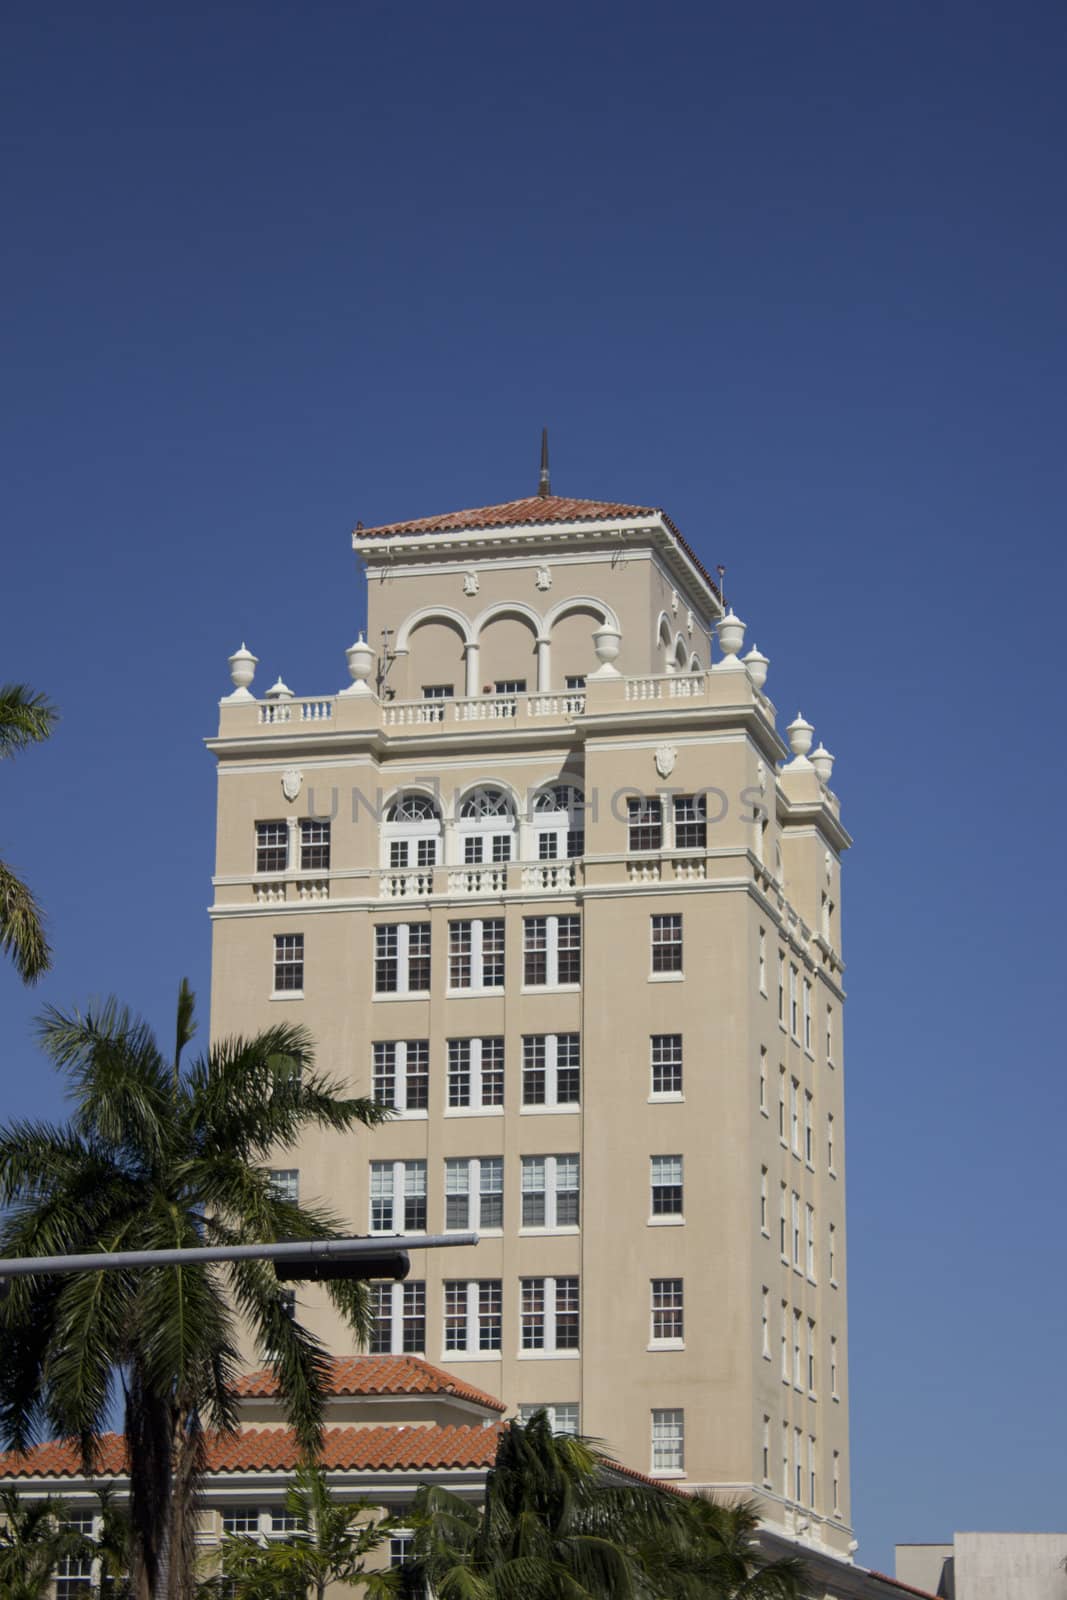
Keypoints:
(473, 1315)
(763, 1081)
(667, 943)
(550, 1191)
(809, 1241)
(784, 1342)
(473, 849)
(765, 1323)
(288, 963)
(781, 988)
(561, 1418)
(668, 1441)
(402, 1073)
(811, 1357)
(833, 1263)
(785, 1461)
(794, 1014)
(783, 1224)
(766, 1463)
(833, 1367)
(645, 820)
(551, 1069)
(552, 951)
(668, 1312)
(240, 1519)
(690, 822)
(547, 846)
(794, 1201)
(398, 1197)
(402, 958)
(837, 1482)
(474, 1193)
(438, 691)
(272, 846)
(285, 1184)
(830, 1144)
(781, 1104)
(811, 1469)
(809, 1128)
(399, 1312)
(763, 1220)
(314, 845)
(807, 1015)
(794, 1113)
(666, 1186)
(763, 961)
(667, 1063)
(476, 954)
(511, 686)
(829, 1037)
(475, 1073)
(549, 1313)
(574, 680)
(798, 1352)
(401, 1548)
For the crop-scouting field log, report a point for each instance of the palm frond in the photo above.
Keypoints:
(26, 717)
(22, 927)
(118, 1080)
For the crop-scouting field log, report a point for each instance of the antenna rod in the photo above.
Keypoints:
(544, 486)
(722, 586)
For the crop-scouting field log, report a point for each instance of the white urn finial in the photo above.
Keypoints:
(279, 691)
(823, 762)
(756, 664)
(800, 735)
(360, 658)
(243, 666)
(731, 631)
(607, 642)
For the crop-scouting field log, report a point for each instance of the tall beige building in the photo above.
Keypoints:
(545, 878)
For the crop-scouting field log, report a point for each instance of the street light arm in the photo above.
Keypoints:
(323, 1250)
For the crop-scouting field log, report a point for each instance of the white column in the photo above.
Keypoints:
(472, 670)
(544, 665)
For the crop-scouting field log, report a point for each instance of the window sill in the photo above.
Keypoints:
(401, 994)
(474, 991)
(550, 1111)
(550, 988)
(470, 1355)
(548, 1355)
(765, 1233)
(483, 1233)
(665, 1344)
(568, 1231)
(408, 1116)
(286, 994)
(474, 1111)
(666, 977)
(667, 1098)
(667, 1472)
(666, 1222)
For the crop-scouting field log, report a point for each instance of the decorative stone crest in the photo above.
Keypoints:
(471, 584)
(292, 782)
(666, 756)
(675, 602)
(689, 622)
(543, 579)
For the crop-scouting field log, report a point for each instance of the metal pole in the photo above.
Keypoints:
(337, 1249)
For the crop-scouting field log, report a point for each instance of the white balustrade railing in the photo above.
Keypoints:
(275, 711)
(487, 708)
(313, 889)
(556, 705)
(406, 885)
(549, 875)
(666, 686)
(478, 880)
(413, 713)
(268, 894)
(643, 871)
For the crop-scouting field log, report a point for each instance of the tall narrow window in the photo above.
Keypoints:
(833, 1367)
(794, 1011)
(666, 1063)
(272, 846)
(781, 1104)
(795, 1216)
(645, 820)
(476, 953)
(798, 1351)
(668, 1440)
(784, 1343)
(829, 1037)
(766, 1463)
(552, 951)
(474, 1193)
(830, 1144)
(809, 1240)
(402, 958)
(783, 1224)
(763, 1081)
(667, 943)
(399, 1318)
(667, 1186)
(473, 1315)
(781, 988)
(794, 1114)
(833, 1262)
(475, 1073)
(837, 1482)
(314, 845)
(763, 1223)
(398, 1197)
(798, 1465)
(807, 1015)
(809, 1128)
(668, 1314)
(762, 961)
(811, 1357)
(811, 1470)
(690, 822)
(765, 1324)
(288, 963)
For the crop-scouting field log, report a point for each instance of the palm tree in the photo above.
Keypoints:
(329, 1547)
(25, 718)
(711, 1553)
(157, 1155)
(554, 1526)
(33, 1541)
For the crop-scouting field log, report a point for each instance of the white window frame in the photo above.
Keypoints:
(657, 1166)
(473, 1349)
(399, 1314)
(551, 952)
(798, 1349)
(673, 972)
(660, 1042)
(807, 1014)
(274, 845)
(668, 1442)
(285, 1184)
(403, 961)
(809, 1241)
(290, 955)
(400, 1049)
(794, 1219)
(412, 844)
(764, 1202)
(551, 1102)
(477, 957)
(558, 1413)
(314, 836)
(552, 1288)
(813, 1360)
(794, 1114)
(763, 962)
(552, 1169)
(834, 1393)
(763, 1106)
(830, 1167)
(470, 1178)
(809, 1129)
(794, 1002)
(670, 1341)
(398, 1192)
(765, 1322)
(476, 1075)
(832, 1242)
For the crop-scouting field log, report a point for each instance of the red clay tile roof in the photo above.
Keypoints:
(389, 1446)
(397, 1375)
(535, 511)
(906, 1588)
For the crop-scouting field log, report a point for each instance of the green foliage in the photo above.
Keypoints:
(158, 1156)
(330, 1547)
(25, 718)
(33, 1540)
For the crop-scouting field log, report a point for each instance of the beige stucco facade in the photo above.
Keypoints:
(574, 653)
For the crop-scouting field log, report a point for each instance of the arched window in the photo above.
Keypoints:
(412, 832)
(486, 827)
(559, 822)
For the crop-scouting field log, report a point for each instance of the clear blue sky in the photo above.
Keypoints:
(796, 273)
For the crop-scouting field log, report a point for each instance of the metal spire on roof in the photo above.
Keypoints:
(544, 486)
